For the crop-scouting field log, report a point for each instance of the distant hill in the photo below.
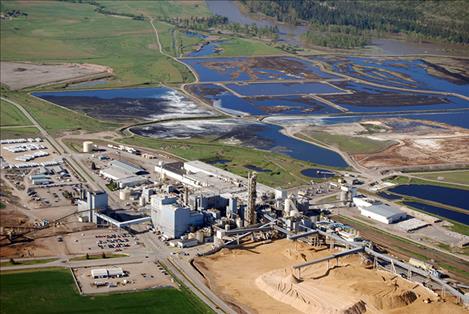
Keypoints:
(356, 20)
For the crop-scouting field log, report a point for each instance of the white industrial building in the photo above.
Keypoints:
(124, 174)
(211, 181)
(378, 211)
(172, 219)
(114, 272)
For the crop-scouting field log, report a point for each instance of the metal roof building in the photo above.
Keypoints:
(383, 213)
(126, 166)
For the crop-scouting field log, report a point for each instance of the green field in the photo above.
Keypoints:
(27, 262)
(174, 41)
(56, 119)
(54, 291)
(73, 32)
(408, 180)
(247, 47)
(160, 8)
(347, 144)
(11, 116)
(460, 176)
(18, 132)
(284, 171)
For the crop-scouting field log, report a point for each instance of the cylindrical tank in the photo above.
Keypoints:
(239, 222)
(286, 207)
(199, 235)
(87, 146)
(124, 194)
(141, 201)
(227, 227)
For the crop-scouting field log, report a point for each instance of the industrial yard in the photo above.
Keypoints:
(258, 278)
(219, 164)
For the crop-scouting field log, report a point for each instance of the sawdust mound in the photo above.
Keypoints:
(288, 289)
(395, 300)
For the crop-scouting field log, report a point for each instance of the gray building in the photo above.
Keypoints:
(172, 219)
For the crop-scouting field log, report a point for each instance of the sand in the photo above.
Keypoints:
(258, 279)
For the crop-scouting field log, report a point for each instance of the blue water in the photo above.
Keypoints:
(135, 93)
(229, 69)
(298, 149)
(376, 99)
(443, 212)
(206, 50)
(272, 89)
(456, 118)
(281, 105)
(194, 34)
(449, 196)
(317, 173)
(414, 72)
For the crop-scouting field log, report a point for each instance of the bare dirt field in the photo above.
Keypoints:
(140, 276)
(418, 142)
(257, 278)
(18, 75)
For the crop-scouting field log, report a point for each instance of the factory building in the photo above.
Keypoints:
(131, 181)
(119, 170)
(91, 201)
(172, 219)
(378, 211)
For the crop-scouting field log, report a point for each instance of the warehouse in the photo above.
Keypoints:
(128, 167)
(383, 213)
(131, 181)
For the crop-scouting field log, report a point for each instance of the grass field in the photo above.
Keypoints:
(284, 171)
(247, 47)
(18, 132)
(160, 8)
(409, 180)
(28, 262)
(56, 119)
(54, 291)
(460, 176)
(174, 41)
(347, 144)
(73, 32)
(11, 116)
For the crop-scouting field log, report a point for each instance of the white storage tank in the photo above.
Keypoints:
(87, 146)
(124, 194)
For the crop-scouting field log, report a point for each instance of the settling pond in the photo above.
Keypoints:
(442, 212)
(127, 103)
(245, 133)
(449, 196)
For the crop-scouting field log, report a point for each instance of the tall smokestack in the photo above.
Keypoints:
(250, 215)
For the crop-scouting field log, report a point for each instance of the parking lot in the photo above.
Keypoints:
(100, 240)
(137, 276)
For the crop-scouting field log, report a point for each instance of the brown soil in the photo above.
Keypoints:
(18, 75)
(258, 278)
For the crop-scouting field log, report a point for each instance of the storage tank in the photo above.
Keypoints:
(87, 146)
(199, 235)
(142, 201)
(124, 194)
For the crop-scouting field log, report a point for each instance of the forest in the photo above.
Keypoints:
(347, 23)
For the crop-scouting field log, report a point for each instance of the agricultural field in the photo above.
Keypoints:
(72, 32)
(54, 291)
(11, 116)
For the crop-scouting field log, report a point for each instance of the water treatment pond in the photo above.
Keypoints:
(317, 173)
(442, 212)
(127, 103)
(244, 133)
(449, 196)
